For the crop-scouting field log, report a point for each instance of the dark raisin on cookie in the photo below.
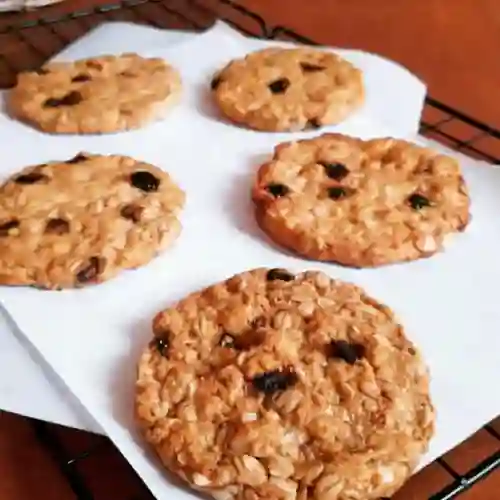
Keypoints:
(128, 74)
(216, 81)
(278, 190)
(70, 99)
(42, 71)
(57, 226)
(82, 77)
(335, 171)
(337, 193)
(312, 123)
(311, 68)
(417, 201)
(31, 178)
(79, 158)
(279, 86)
(347, 351)
(280, 275)
(162, 345)
(274, 381)
(145, 181)
(90, 271)
(7, 226)
(227, 340)
(132, 212)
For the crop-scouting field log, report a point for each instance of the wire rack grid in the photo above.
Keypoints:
(27, 44)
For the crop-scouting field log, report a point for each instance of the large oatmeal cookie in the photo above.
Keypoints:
(288, 89)
(68, 224)
(360, 203)
(94, 96)
(281, 387)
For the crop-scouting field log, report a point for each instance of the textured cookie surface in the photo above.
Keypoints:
(68, 224)
(275, 386)
(360, 203)
(288, 89)
(99, 95)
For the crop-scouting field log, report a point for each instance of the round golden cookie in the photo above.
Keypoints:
(79, 222)
(94, 96)
(288, 89)
(275, 386)
(360, 203)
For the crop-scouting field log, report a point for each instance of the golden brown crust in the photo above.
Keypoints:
(360, 203)
(68, 224)
(275, 386)
(288, 89)
(98, 95)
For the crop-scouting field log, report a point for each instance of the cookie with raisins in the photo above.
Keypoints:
(274, 385)
(99, 95)
(360, 203)
(280, 89)
(71, 223)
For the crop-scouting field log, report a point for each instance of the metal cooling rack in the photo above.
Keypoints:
(27, 44)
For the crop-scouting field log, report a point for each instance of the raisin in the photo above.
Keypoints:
(31, 178)
(131, 212)
(228, 341)
(7, 226)
(91, 271)
(57, 226)
(274, 381)
(313, 123)
(311, 68)
(417, 201)
(70, 99)
(42, 71)
(279, 86)
(216, 81)
(79, 158)
(162, 345)
(278, 190)
(128, 74)
(279, 274)
(347, 351)
(145, 181)
(81, 78)
(336, 171)
(337, 193)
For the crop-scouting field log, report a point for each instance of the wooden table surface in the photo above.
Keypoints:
(452, 45)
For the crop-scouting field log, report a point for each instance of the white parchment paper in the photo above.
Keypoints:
(92, 337)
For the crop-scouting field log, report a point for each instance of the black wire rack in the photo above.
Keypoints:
(26, 45)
